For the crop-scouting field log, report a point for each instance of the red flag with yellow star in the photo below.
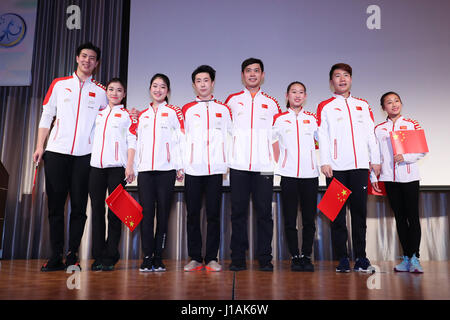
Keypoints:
(125, 207)
(333, 199)
(408, 141)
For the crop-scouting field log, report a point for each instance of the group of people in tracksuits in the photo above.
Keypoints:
(96, 143)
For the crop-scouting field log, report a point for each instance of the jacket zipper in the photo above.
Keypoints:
(103, 142)
(207, 135)
(154, 137)
(251, 137)
(78, 113)
(298, 147)
(353, 136)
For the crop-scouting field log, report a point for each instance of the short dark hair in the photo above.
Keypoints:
(342, 66)
(204, 68)
(385, 95)
(166, 80)
(90, 46)
(123, 84)
(289, 88)
(250, 61)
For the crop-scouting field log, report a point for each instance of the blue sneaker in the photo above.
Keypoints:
(363, 265)
(344, 265)
(415, 266)
(403, 266)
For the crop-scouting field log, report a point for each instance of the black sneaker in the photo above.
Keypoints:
(72, 260)
(96, 265)
(266, 266)
(54, 264)
(363, 265)
(296, 264)
(344, 265)
(306, 263)
(238, 266)
(147, 264)
(108, 265)
(158, 265)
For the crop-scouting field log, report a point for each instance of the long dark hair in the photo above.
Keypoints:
(166, 80)
(289, 88)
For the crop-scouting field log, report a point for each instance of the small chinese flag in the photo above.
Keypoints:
(333, 199)
(125, 207)
(408, 141)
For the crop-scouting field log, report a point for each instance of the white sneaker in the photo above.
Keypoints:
(193, 265)
(213, 266)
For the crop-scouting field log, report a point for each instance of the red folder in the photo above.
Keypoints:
(333, 199)
(408, 141)
(128, 210)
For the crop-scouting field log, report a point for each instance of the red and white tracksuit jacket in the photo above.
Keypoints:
(159, 143)
(115, 133)
(207, 133)
(346, 137)
(297, 136)
(251, 146)
(406, 171)
(75, 104)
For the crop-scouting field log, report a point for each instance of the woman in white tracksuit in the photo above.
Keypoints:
(400, 175)
(296, 132)
(159, 149)
(112, 160)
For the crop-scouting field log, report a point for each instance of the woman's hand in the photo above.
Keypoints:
(376, 187)
(129, 174)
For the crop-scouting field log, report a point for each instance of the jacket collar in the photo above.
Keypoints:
(246, 91)
(340, 96)
(390, 121)
(75, 76)
(293, 112)
(197, 98)
(119, 106)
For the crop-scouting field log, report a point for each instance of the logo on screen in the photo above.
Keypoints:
(12, 30)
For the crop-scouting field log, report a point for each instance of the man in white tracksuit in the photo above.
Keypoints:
(75, 102)
(208, 125)
(251, 166)
(348, 148)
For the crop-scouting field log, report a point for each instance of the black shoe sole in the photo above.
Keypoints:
(47, 269)
(238, 268)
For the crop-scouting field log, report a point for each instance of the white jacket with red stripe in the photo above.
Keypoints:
(297, 136)
(207, 133)
(405, 171)
(346, 137)
(251, 146)
(159, 143)
(115, 133)
(75, 105)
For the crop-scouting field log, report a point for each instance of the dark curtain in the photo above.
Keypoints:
(104, 23)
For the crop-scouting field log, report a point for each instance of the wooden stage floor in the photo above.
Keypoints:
(22, 280)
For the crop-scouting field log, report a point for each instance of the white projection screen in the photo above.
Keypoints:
(392, 45)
